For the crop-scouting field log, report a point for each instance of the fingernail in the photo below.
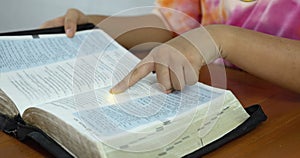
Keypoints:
(168, 91)
(69, 32)
(113, 90)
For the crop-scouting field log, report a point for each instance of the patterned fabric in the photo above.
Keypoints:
(180, 15)
(275, 17)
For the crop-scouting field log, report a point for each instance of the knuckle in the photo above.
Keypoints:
(68, 20)
(72, 10)
(135, 75)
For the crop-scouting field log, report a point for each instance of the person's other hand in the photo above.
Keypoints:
(70, 20)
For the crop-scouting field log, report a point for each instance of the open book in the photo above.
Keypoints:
(61, 86)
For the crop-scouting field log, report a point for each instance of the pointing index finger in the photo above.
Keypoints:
(140, 71)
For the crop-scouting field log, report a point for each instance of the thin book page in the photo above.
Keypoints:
(99, 108)
(19, 53)
(16, 37)
(135, 124)
(44, 74)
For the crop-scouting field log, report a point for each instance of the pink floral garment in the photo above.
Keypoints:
(275, 17)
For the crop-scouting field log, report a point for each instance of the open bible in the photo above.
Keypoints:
(61, 86)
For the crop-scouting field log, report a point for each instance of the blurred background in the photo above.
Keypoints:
(18, 15)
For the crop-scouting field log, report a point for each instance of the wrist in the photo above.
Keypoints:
(204, 42)
(220, 35)
(95, 19)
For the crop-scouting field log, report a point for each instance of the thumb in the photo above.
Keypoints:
(70, 26)
(72, 18)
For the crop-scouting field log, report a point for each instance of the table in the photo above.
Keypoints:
(279, 136)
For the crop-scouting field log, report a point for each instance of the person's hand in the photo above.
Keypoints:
(177, 63)
(174, 69)
(70, 20)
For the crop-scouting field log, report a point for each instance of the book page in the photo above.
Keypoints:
(108, 119)
(99, 62)
(23, 53)
(137, 127)
(16, 37)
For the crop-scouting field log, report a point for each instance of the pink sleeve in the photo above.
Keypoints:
(179, 15)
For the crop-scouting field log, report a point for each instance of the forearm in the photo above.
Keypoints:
(96, 19)
(132, 31)
(272, 58)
